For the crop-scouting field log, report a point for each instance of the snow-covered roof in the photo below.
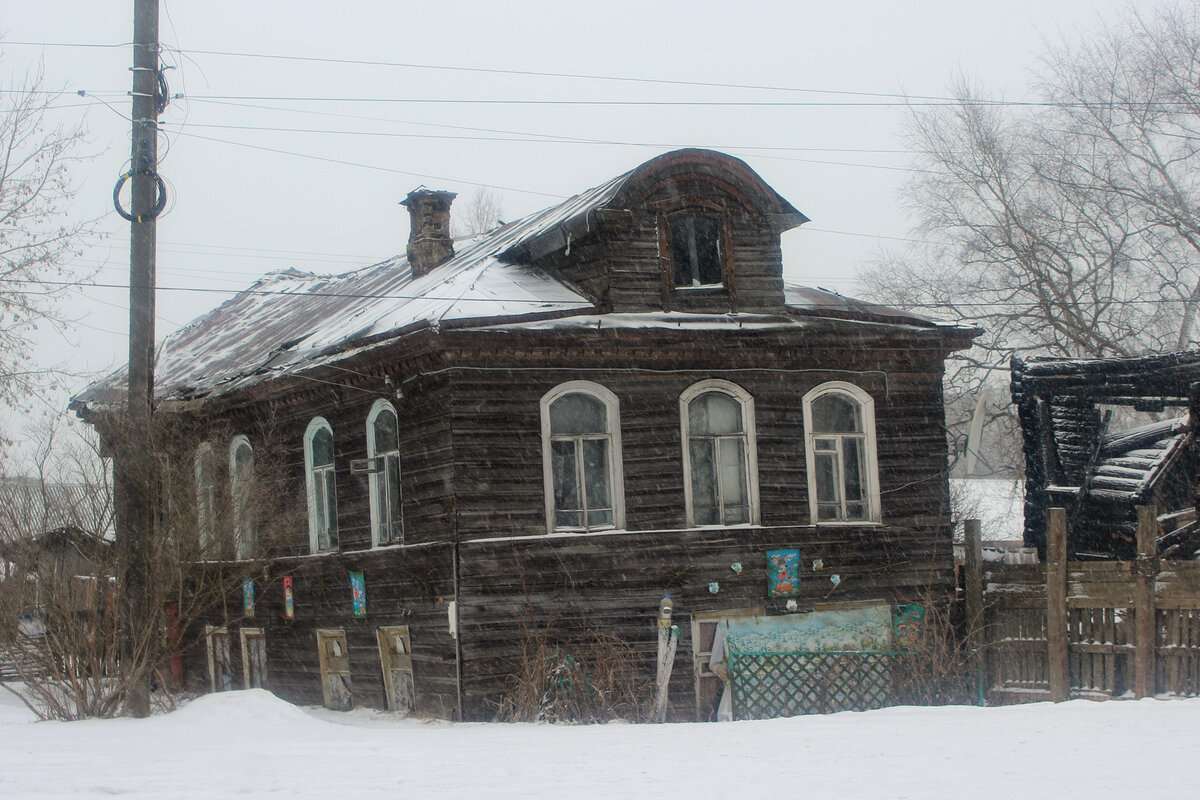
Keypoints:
(290, 321)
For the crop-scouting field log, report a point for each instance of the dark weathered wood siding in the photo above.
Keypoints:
(471, 456)
(406, 585)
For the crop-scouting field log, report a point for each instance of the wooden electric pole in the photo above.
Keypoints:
(136, 468)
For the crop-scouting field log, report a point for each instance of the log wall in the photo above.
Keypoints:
(406, 585)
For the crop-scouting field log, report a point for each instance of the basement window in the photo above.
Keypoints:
(695, 250)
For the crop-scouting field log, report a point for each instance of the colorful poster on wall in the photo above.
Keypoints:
(783, 573)
(289, 606)
(247, 597)
(358, 593)
(909, 622)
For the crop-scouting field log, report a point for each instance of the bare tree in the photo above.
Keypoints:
(37, 244)
(64, 633)
(1066, 227)
(479, 214)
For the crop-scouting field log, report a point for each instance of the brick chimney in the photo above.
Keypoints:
(429, 242)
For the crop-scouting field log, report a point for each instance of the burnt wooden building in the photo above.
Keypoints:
(1103, 436)
(541, 430)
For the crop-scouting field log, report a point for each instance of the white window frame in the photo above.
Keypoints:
(317, 424)
(746, 400)
(616, 469)
(206, 493)
(866, 406)
(239, 498)
(375, 486)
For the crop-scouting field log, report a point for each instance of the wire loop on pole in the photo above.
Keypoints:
(158, 206)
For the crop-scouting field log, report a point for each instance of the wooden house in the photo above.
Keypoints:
(535, 433)
(1103, 436)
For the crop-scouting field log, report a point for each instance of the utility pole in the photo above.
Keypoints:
(136, 464)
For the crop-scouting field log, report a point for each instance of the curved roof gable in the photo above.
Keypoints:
(579, 215)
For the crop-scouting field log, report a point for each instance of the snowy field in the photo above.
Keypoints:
(251, 744)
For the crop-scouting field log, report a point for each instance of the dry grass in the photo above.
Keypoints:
(593, 678)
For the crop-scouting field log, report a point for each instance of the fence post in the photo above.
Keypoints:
(973, 547)
(1056, 604)
(1144, 614)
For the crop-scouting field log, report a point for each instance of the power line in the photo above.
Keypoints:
(555, 136)
(498, 71)
(523, 300)
(490, 185)
(369, 166)
(532, 138)
(541, 101)
(491, 101)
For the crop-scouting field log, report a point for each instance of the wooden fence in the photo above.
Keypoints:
(1103, 629)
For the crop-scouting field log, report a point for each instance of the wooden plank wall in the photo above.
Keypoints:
(410, 585)
(567, 588)
(496, 422)
(623, 268)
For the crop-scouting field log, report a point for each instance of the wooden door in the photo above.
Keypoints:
(395, 656)
(254, 658)
(220, 659)
(708, 685)
(335, 669)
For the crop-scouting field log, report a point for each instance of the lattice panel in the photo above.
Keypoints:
(769, 685)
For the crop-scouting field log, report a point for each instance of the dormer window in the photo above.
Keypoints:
(695, 247)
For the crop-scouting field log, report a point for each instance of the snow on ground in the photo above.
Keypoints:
(255, 745)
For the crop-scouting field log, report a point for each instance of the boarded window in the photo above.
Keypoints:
(254, 658)
(695, 249)
(335, 669)
(220, 659)
(395, 656)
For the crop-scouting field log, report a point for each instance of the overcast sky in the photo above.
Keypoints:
(299, 159)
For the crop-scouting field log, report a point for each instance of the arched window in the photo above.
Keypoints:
(839, 451)
(581, 458)
(719, 455)
(241, 475)
(383, 446)
(206, 493)
(322, 493)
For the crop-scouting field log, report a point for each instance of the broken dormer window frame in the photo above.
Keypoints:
(695, 240)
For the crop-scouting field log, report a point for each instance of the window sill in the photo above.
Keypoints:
(843, 523)
(577, 531)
